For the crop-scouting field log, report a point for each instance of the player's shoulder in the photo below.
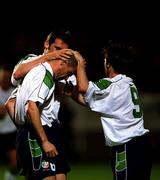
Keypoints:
(29, 56)
(42, 68)
(103, 83)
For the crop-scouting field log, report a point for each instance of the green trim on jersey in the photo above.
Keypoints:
(137, 111)
(26, 57)
(103, 83)
(48, 79)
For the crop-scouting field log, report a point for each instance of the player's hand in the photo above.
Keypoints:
(79, 58)
(68, 88)
(63, 54)
(49, 149)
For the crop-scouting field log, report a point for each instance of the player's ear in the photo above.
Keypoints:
(46, 44)
(108, 65)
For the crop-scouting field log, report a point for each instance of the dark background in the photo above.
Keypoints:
(24, 26)
(15, 44)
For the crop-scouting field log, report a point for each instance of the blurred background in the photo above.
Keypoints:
(83, 133)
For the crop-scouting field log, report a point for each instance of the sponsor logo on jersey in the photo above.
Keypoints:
(45, 165)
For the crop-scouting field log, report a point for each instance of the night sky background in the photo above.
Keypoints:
(24, 29)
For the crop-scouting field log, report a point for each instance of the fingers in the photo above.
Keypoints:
(49, 149)
(64, 54)
(66, 51)
(64, 57)
(52, 153)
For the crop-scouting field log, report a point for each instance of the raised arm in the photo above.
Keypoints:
(23, 68)
(82, 79)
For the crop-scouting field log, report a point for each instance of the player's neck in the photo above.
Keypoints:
(111, 72)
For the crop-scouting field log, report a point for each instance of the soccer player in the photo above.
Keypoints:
(116, 98)
(54, 47)
(54, 41)
(40, 153)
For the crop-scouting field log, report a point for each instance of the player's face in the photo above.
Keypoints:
(58, 44)
(64, 71)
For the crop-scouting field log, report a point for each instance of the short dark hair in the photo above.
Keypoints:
(119, 55)
(66, 36)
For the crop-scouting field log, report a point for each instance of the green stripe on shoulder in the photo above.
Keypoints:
(48, 79)
(103, 83)
(28, 56)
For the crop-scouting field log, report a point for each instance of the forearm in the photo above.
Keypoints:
(10, 107)
(82, 79)
(34, 119)
(22, 69)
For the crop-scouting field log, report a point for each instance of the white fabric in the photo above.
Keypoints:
(28, 58)
(55, 103)
(33, 88)
(116, 108)
(71, 79)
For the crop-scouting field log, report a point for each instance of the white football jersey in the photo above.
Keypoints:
(55, 102)
(116, 99)
(26, 59)
(37, 86)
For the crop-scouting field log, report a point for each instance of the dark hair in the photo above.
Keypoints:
(119, 55)
(66, 36)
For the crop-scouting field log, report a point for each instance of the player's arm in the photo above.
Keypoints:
(72, 91)
(34, 118)
(10, 107)
(22, 69)
(82, 79)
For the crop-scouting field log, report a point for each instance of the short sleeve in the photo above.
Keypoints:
(26, 59)
(41, 86)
